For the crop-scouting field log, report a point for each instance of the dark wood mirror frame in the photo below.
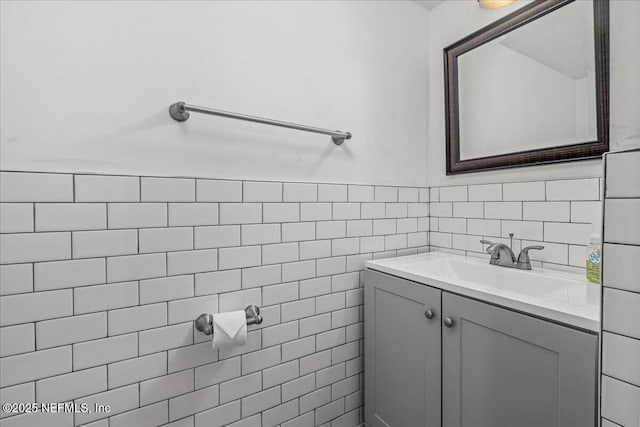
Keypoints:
(565, 153)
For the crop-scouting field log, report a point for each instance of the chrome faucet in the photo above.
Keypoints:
(502, 255)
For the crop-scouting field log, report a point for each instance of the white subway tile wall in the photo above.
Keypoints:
(556, 214)
(621, 291)
(101, 278)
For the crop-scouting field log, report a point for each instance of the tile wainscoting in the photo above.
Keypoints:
(557, 214)
(102, 277)
(621, 291)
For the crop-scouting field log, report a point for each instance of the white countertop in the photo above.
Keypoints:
(556, 295)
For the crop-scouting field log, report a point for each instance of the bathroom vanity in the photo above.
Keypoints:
(452, 341)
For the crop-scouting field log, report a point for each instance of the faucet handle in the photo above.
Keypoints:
(488, 242)
(524, 253)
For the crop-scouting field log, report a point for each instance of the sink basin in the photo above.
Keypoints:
(561, 296)
(505, 279)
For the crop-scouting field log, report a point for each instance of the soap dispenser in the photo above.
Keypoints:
(594, 257)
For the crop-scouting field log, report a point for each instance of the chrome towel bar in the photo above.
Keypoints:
(180, 111)
(204, 322)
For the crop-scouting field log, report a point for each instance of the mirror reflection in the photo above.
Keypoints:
(531, 88)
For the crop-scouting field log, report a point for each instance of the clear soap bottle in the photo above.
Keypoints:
(594, 255)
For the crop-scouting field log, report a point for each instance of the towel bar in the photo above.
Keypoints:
(179, 111)
(204, 322)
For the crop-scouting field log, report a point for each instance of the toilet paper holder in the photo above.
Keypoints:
(204, 322)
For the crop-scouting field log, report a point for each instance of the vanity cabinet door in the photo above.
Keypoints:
(506, 369)
(402, 353)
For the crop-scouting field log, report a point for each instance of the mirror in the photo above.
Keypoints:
(531, 88)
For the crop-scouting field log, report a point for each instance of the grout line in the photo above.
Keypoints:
(635, 386)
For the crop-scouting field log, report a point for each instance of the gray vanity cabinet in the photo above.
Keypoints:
(471, 364)
(503, 369)
(402, 352)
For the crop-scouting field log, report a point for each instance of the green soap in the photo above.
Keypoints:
(593, 272)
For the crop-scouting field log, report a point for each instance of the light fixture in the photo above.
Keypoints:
(494, 4)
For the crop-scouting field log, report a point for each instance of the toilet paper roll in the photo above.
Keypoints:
(229, 329)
